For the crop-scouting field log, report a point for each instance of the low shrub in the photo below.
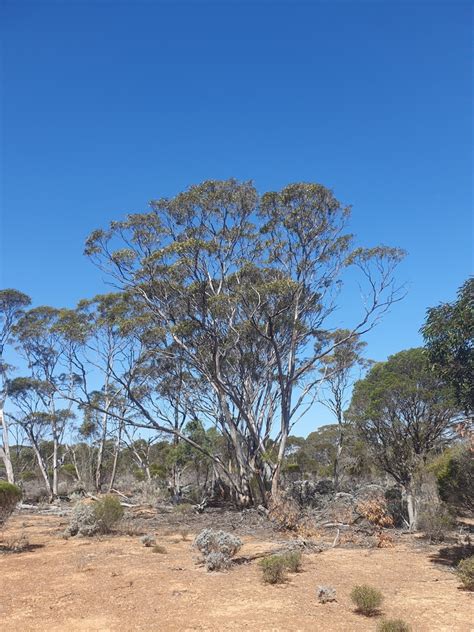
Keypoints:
(16, 544)
(367, 599)
(293, 561)
(184, 534)
(10, 495)
(465, 572)
(217, 548)
(326, 594)
(83, 520)
(148, 540)
(435, 522)
(393, 625)
(375, 511)
(273, 569)
(108, 511)
(454, 471)
(158, 548)
(88, 519)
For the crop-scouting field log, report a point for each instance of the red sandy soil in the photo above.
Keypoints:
(114, 583)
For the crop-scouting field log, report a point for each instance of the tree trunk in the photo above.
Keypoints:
(55, 464)
(116, 455)
(411, 507)
(42, 466)
(5, 449)
(337, 456)
(103, 438)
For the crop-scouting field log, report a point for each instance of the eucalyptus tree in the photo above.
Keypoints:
(404, 412)
(40, 418)
(42, 344)
(244, 288)
(338, 373)
(12, 306)
(449, 338)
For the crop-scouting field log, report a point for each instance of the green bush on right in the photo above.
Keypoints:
(367, 599)
(465, 572)
(273, 569)
(10, 495)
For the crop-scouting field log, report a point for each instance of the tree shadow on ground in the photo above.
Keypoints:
(452, 555)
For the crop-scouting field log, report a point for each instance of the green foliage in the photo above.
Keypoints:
(108, 511)
(139, 474)
(435, 522)
(224, 271)
(158, 471)
(449, 336)
(403, 411)
(69, 470)
(10, 495)
(293, 561)
(465, 572)
(87, 519)
(28, 475)
(367, 599)
(393, 625)
(454, 471)
(273, 569)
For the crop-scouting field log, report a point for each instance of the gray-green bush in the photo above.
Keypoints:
(367, 599)
(273, 569)
(10, 495)
(293, 561)
(435, 522)
(217, 548)
(89, 519)
(465, 572)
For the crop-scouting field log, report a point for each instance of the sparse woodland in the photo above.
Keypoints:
(181, 390)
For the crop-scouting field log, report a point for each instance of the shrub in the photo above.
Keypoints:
(435, 522)
(9, 497)
(87, 519)
(158, 549)
(454, 471)
(375, 511)
(108, 511)
(148, 540)
(393, 625)
(293, 561)
(465, 572)
(17, 544)
(326, 594)
(367, 599)
(184, 534)
(217, 561)
(273, 569)
(83, 520)
(217, 548)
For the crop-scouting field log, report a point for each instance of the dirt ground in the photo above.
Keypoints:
(114, 584)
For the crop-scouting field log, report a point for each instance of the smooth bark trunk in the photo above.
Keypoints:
(5, 448)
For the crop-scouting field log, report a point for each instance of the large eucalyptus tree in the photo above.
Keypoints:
(242, 289)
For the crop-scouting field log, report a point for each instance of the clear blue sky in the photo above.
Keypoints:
(106, 105)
